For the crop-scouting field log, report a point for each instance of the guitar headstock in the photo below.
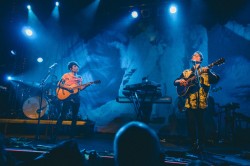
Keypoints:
(217, 63)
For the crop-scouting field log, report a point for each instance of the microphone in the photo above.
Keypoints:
(52, 66)
(195, 62)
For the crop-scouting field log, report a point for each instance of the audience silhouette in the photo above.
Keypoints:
(6, 159)
(66, 153)
(136, 144)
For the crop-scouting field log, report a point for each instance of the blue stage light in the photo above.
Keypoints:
(173, 9)
(13, 52)
(40, 59)
(134, 14)
(28, 32)
(28, 7)
(9, 78)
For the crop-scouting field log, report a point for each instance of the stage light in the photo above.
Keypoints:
(55, 12)
(173, 9)
(40, 59)
(13, 52)
(134, 14)
(9, 78)
(28, 32)
(57, 3)
(28, 7)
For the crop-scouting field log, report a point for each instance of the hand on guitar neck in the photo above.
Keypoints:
(84, 86)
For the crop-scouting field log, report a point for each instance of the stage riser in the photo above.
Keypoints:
(22, 127)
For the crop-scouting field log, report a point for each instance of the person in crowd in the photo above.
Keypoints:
(136, 144)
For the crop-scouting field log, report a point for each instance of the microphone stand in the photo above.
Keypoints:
(40, 103)
(199, 84)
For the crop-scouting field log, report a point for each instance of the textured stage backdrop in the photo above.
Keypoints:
(119, 57)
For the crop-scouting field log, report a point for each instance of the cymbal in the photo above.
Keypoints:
(28, 83)
(231, 106)
(243, 86)
(33, 84)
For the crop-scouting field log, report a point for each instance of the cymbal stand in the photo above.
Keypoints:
(219, 122)
(40, 105)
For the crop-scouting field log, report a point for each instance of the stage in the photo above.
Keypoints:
(24, 145)
(107, 63)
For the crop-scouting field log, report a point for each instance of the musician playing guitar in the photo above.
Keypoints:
(195, 98)
(66, 85)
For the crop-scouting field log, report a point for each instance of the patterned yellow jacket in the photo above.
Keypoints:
(198, 94)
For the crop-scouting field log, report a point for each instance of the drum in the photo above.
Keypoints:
(32, 105)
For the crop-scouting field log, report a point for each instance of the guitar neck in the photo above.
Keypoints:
(89, 83)
(79, 86)
(191, 79)
(211, 66)
(194, 77)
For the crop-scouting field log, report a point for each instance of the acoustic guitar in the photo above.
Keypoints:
(182, 90)
(64, 93)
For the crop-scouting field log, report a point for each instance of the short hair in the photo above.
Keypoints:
(137, 144)
(70, 64)
(198, 52)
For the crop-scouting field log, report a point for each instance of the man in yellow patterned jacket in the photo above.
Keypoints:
(196, 98)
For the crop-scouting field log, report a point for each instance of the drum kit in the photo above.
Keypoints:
(30, 99)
